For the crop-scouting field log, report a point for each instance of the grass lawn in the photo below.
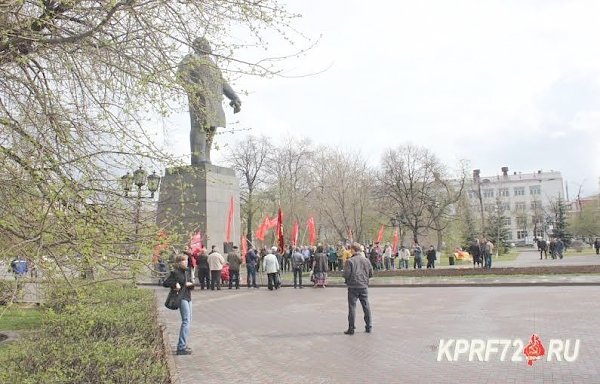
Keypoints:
(15, 318)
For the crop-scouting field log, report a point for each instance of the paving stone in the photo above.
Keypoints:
(261, 336)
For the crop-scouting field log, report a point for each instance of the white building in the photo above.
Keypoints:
(525, 199)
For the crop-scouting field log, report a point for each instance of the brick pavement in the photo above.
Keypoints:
(259, 336)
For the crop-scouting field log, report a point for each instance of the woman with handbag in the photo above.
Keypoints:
(181, 289)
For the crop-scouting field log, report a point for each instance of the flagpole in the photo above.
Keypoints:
(305, 229)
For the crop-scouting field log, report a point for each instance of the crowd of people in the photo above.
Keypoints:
(211, 270)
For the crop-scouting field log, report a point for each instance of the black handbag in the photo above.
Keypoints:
(173, 299)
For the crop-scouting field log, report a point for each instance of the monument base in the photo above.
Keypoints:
(196, 198)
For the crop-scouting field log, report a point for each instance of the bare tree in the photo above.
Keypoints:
(417, 185)
(289, 170)
(342, 189)
(249, 159)
(77, 82)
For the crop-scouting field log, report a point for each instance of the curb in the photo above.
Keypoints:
(459, 284)
(171, 366)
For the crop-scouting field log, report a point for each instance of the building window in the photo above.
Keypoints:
(489, 207)
(535, 205)
(535, 190)
(506, 221)
(472, 194)
(509, 236)
(521, 235)
(520, 206)
(505, 207)
(521, 222)
(519, 191)
(503, 192)
(539, 234)
(488, 193)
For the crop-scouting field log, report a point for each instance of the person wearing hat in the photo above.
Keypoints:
(234, 260)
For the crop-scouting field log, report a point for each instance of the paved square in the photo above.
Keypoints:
(292, 335)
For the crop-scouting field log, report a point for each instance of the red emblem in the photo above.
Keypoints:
(534, 349)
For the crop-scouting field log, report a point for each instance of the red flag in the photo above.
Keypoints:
(244, 248)
(380, 234)
(395, 242)
(260, 232)
(229, 220)
(162, 244)
(272, 223)
(280, 229)
(312, 234)
(196, 243)
(294, 238)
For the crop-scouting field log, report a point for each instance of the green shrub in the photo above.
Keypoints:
(105, 333)
(10, 290)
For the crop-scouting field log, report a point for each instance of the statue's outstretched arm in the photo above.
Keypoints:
(236, 103)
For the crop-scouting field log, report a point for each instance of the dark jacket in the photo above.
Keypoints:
(251, 258)
(357, 271)
(234, 260)
(320, 264)
(430, 254)
(297, 260)
(203, 261)
(178, 276)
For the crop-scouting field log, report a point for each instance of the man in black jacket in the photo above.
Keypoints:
(357, 272)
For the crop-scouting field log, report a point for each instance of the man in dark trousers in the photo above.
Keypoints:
(543, 248)
(357, 272)
(234, 260)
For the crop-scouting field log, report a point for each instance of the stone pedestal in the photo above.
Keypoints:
(198, 197)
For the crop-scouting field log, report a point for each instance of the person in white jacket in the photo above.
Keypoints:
(404, 254)
(271, 267)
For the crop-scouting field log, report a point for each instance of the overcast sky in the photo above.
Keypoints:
(498, 83)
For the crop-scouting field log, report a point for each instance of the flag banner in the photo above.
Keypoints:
(380, 234)
(229, 220)
(294, 238)
(395, 242)
(244, 244)
(260, 232)
(280, 240)
(312, 233)
(161, 245)
(196, 243)
(272, 223)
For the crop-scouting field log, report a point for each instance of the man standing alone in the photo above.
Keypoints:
(297, 263)
(357, 272)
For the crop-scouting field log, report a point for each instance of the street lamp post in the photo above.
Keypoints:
(140, 178)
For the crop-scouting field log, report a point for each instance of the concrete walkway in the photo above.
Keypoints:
(291, 336)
